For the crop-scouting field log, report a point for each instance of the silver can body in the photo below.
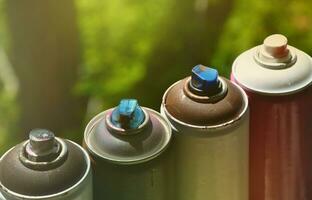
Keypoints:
(211, 162)
(144, 181)
(128, 169)
(82, 190)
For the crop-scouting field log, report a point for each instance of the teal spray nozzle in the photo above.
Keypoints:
(128, 114)
(205, 80)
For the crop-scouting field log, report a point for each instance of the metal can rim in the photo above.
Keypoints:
(203, 128)
(272, 92)
(62, 193)
(101, 116)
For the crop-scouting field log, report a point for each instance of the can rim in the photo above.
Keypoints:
(171, 118)
(101, 116)
(294, 51)
(266, 93)
(62, 193)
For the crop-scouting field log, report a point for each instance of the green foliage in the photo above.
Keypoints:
(8, 89)
(116, 37)
(138, 48)
(1, 23)
(8, 117)
(252, 20)
(8, 107)
(127, 43)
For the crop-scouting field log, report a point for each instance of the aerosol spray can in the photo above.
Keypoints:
(277, 79)
(127, 144)
(46, 167)
(209, 116)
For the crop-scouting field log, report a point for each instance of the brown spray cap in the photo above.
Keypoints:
(225, 103)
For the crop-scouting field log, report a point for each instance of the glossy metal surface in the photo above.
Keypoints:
(214, 166)
(275, 76)
(210, 155)
(281, 147)
(134, 165)
(140, 145)
(277, 79)
(151, 180)
(198, 111)
(81, 190)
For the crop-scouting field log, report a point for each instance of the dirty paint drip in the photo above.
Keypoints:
(128, 114)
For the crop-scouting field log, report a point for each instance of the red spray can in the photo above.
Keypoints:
(277, 79)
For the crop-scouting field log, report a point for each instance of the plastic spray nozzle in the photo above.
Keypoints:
(275, 46)
(205, 79)
(274, 50)
(128, 114)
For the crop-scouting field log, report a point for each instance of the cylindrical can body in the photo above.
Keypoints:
(213, 166)
(280, 127)
(68, 176)
(144, 181)
(130, 166)
(211, 161)
(281, 146)
(83, 191)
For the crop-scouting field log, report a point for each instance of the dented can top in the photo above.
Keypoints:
(273, 68)
(43, 167)
(204, 100)
(127, 134)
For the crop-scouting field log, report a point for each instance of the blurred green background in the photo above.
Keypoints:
(62, 61)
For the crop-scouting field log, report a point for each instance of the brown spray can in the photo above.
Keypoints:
(210, 122)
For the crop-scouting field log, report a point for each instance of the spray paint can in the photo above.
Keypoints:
(127, 145)
(209, 116)
(277, 79)
(46, 167)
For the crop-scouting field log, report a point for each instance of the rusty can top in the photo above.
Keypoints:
(43, 167)
(127, 134)
(273, 68)
(204, 100)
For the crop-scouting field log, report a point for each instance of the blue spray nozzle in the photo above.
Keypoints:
(204, 78)
(128, 114)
